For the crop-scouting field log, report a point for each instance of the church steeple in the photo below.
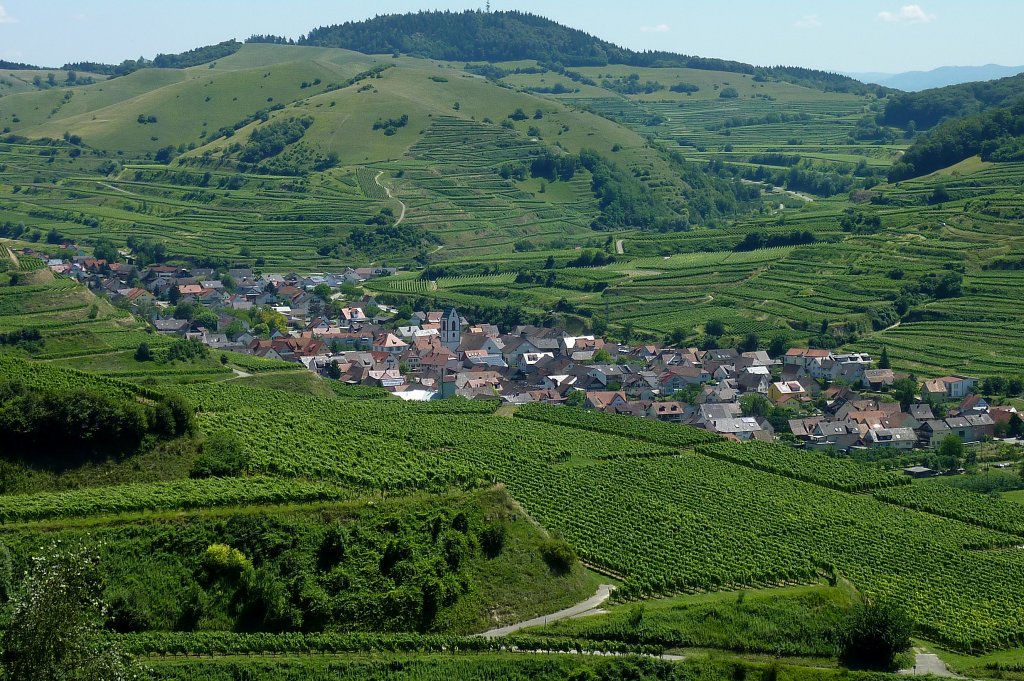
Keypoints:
(451, 328)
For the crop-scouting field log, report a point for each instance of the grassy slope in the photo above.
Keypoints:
(105, 114)
(792, 621)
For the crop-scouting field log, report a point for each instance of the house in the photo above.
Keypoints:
(931, 433)
(742, 428)
(708, 413)
(605, 401)
(960, 427)
(189, 290)
(973, 404)
(877, 379)
(641, 385)
(841, 435)
(803, 429)
(720, 393)
(680, 376)
(894, 438)
(136, 296)
(848, 367)
(757, 358)
(353, 314)
(983, 427)
(784, 391)
(919, 472)
(757, 379)
(528, 361)
(948, 387)
(921, 412)
(608, 373)
(177, 327)
(515, 348)
(667, 411)
(389, 343)
(478, 341)
(560, 382)
(806, 360)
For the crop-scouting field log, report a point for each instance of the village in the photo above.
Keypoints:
(812, 398)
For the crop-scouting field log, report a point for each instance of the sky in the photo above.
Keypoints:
(886, 36)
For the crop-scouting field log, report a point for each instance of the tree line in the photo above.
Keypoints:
(183, 60)
(71, 422)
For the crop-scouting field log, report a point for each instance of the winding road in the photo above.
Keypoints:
(387, 190)
(582, 608)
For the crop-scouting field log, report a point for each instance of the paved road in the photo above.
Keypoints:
(387, 190)
(926, 663)
(603, 591)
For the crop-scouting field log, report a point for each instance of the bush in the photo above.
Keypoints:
(223, 456)
(143, 353)
(492, 540)
(221, 559)
(559, 556)
(877, 632)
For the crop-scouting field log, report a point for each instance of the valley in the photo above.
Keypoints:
(221, 270)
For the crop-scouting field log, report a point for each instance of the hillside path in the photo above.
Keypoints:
(387, 190)
(603, 592)
(618, 247)
(116, 189)
(927, 663)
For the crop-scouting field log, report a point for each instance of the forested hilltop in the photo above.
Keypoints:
(510, 36)
(983, 119)
(930, 107)
(995, 135)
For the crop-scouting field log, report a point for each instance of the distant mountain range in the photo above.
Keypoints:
(913, 81)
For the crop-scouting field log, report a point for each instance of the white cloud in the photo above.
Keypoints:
(660, 28)
(908, 14)
(6, 18)
(808, 21)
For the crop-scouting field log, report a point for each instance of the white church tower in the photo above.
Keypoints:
(451, 329)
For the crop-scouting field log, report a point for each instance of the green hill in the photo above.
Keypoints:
(511, 36)
(929, 107)
(996, 135)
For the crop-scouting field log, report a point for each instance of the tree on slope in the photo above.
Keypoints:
(56, 624)
(877, 632)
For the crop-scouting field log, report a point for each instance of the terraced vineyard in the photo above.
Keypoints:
(969, 507)
(458, 194)
(163, 496)
(611, 498)
(813, 467)
(639, 429)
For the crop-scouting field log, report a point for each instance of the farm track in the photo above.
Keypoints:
(387, 190)
(580, 609)
(14, 259)
(926, 664)
(116, 189)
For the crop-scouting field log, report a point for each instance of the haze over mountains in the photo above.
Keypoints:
(914, 81)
